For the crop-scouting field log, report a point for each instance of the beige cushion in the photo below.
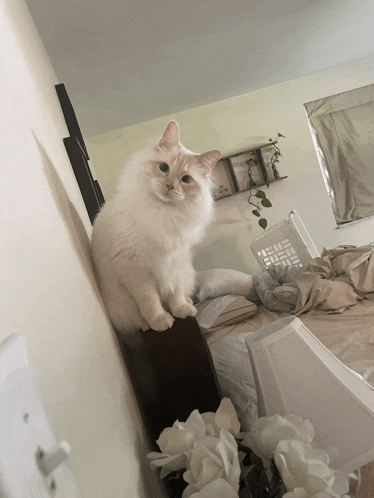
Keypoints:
(223, 311)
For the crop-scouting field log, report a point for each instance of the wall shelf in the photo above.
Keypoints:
(257, 187)
(244, 170)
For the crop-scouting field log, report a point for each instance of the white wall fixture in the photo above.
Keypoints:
(33, 461)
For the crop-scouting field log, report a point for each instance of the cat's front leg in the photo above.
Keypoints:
(147, 298)
(149, 303)
(179, 305)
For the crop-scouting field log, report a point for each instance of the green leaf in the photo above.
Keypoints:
(266, 203)
(256, 213)
(260, 194)
(263, 223)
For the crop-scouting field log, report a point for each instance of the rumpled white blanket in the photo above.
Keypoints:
(277, 288)
(332, 282)
(336, 280)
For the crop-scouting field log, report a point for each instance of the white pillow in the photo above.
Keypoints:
(219, 282)
(223, 311)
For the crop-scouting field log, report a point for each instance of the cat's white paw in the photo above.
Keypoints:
(163, 322)
(189, 300)
(184, 310)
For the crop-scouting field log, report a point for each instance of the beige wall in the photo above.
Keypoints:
(47, 291)
(240, 122)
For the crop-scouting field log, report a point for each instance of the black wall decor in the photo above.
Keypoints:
(78, 156)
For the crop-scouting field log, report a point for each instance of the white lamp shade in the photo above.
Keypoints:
(295, 373)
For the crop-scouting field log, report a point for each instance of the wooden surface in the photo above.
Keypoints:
(172, 374)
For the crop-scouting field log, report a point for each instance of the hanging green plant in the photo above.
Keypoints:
(263, 201)
(277, 154)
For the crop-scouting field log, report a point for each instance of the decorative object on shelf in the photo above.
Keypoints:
(275, 459)
(249, 170)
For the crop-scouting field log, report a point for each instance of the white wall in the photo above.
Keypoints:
(235, 124)
(47, 291)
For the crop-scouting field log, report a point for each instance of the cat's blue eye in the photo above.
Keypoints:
(164, 167)
(187, 179)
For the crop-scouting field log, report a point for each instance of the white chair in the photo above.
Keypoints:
(295, 373)
(287, 243)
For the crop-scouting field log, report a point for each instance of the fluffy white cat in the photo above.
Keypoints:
(142, 237)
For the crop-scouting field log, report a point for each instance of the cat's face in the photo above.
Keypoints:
(176, 173)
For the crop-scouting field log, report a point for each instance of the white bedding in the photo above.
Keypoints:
(348, 335)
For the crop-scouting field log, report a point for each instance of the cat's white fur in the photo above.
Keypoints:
(142, 237)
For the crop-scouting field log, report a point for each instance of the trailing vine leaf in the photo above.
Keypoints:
(277, 153)
(263, 223)
(266, 203)
(260, 194)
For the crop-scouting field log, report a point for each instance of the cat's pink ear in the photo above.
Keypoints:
(170, 136)
(209, 159)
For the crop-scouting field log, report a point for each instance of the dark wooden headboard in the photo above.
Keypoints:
(172, 374)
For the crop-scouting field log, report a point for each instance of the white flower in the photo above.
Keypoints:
(303, 467)
(212, 458)
(304, 425)
(216, 489)
(329, 495)
(296, 493)
(176, 441)
(267, 432)
(226, 418)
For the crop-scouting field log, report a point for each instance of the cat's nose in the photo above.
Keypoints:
(169, 186)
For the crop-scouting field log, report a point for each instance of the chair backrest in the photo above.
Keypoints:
(287, 243)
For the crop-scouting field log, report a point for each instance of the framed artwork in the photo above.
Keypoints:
(247, 171)
(78, 155)
(223, 180)
(267, 154)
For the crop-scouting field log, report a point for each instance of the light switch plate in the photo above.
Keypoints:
(25, 429)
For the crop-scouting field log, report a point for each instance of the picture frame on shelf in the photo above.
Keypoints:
(223, 182)
(267, 154)
(247, 171)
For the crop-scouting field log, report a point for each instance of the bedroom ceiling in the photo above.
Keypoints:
(124, 62)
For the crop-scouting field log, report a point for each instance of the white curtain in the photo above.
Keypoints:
(342, 128)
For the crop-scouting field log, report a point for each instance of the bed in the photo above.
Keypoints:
(201, 360)
(338, 312)
(336, 306)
